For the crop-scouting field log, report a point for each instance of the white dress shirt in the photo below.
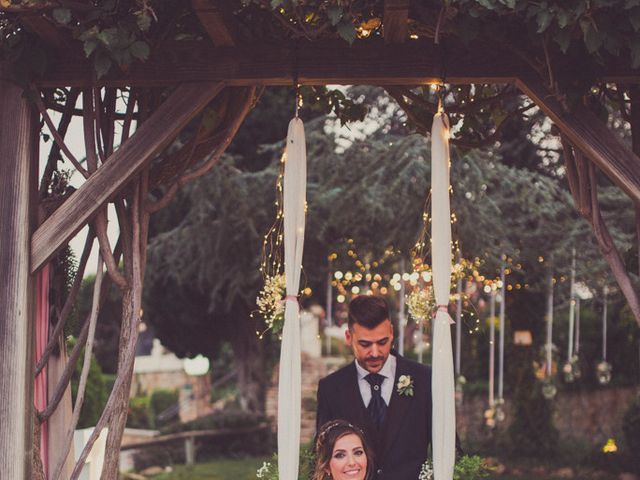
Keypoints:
(388, 371)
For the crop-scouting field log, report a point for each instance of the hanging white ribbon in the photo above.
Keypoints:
(442, 380)
(289, 380)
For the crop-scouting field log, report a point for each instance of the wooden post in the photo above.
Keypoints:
(18, 152)
(190, 450)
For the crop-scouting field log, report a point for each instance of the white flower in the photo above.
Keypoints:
(404, 381)
(263, 470)
(405, 385)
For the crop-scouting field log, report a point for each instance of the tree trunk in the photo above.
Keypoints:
(18, 161)
(249, 360)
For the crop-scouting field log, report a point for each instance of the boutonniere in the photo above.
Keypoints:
(405, 385)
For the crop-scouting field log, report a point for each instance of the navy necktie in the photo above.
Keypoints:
(377, 408)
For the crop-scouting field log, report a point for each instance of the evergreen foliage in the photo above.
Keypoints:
(531, 432)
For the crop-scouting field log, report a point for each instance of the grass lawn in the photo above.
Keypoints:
(221, 469)
(243, 469)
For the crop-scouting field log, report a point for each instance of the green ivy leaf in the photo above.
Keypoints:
(90, 46)
(563, 39)
(335, 14)
(509, 3)
(562, 17)
(140, 50)
(109, 37)
(144, 21)
(544, 20)
(346, 30)
(102, 63)
(488, 4)
(61, 15)
(592, 38)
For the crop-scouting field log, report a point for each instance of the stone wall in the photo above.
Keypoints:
(591, 416)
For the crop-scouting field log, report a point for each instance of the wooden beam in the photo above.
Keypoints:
(217, 20)
(587, 133)
(396, 14)
(18, 155)
(152, 136)
(318, 63)
(58, 39)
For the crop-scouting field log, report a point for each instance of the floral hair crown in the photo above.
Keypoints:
(334, 424)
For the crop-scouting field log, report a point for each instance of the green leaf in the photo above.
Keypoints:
(544, 20)
(488, 4)
(509, 3)
(562, 17)
(144, 21)
(140, 50)
(346, 30)
(102, 63)
(276, 3)
(109, 36)
(62, 15)
(592, 39)
(563, 39)
(89, 34)
(89, 46)
(335, 14)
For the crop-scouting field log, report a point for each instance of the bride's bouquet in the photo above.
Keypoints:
(467, 468)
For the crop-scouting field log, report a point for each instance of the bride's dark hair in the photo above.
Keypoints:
(329, 434)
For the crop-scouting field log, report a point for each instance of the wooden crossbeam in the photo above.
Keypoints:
(54, 37)
(152, 136)
(318, 63)
(217, 21)
(591, 136)
(396, 14)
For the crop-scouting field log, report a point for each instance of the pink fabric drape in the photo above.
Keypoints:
(42, 337)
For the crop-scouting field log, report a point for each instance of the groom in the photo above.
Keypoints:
(387, 396)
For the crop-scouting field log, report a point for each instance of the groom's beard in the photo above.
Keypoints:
(373, 363)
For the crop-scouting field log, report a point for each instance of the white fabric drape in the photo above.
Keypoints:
(442, 381)
(289, 380)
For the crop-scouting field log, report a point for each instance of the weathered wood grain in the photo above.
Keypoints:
(217, 21)
(328, 62)
(396, 14)
(18, 152)
(154, 134)
(586, 132)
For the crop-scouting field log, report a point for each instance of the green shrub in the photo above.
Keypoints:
(161, 399)
(532, 432)
(96, 392)
(140, 413)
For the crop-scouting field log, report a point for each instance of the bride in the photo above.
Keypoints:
(342, 453)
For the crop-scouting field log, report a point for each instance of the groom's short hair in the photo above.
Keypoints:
(368, 311)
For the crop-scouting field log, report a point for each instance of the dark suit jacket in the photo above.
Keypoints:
(400, 446)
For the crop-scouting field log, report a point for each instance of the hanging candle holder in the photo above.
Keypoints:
(549, 390)
(603, 372)
(604, 368)
(571, 369)
(499, 410)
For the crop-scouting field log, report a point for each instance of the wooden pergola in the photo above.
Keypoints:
(198, 74)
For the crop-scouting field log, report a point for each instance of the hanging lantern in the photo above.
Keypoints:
(603, 372)
(549, 390)
(571, 369)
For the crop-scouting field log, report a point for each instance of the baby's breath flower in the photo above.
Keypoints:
(270, 302)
